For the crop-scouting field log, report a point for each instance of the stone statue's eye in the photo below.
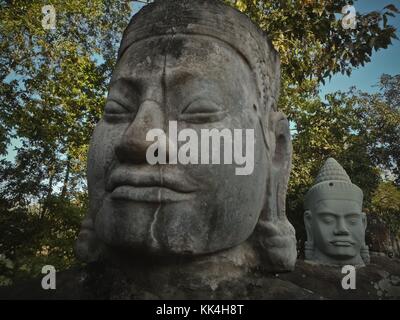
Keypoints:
(202, 111)
(352, 220)
(328, 219)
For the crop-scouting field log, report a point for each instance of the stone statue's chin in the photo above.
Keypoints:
(337, 257)
(182, 227)
(342, 253)
(336, 247)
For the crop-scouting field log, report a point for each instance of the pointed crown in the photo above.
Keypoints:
(333, 183)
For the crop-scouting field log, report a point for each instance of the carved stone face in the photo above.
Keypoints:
(338, 230)
(201, 84)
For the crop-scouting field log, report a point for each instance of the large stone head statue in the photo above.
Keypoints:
(334, 220)
(205, 65)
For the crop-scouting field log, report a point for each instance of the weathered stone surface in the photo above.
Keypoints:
(176, 56)
(378, 280)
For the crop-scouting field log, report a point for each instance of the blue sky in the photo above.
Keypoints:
(383, 61)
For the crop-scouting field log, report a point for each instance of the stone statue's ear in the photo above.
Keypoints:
(364, 220)
(274, 235)
(364, 251)
(307, 224)
(279, 148)
(309, 244)
(281, 145)
(88, 247)
(281, 152)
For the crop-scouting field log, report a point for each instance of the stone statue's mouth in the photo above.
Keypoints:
(149, 194)
(340, 243)
(149, 185)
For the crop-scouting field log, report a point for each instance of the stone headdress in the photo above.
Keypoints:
(333, 183)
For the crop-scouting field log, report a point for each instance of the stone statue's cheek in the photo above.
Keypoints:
(101, 153)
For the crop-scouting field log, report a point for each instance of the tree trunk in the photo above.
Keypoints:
(66, 180)
(47, 198)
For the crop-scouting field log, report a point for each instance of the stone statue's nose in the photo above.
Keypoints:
(341, 229)
(133, 145)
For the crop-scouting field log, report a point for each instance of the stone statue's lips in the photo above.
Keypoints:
(149, 194)
(342, 243)
(149, 184)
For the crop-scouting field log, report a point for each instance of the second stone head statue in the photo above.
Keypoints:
(334, 220)
(205, 65)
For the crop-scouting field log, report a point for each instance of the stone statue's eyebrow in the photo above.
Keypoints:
(327, 212)
(123, 82)
(179, 77)
(123, 89)
(175, 77)
(352, 214)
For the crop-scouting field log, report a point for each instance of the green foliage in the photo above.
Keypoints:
(386, 204)
(382, 124)
(6, 267)
(311, 40)
(54, 84)
(32, 238)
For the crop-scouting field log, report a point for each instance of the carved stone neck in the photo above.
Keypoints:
(184, 272)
